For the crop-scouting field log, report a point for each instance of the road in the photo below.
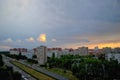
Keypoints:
(25, 76)
(56, 76)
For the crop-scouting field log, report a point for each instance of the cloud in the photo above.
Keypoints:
(101, 45)
(54, 40)
(4, 48)
(42, 38)
(96, 21)
(9, 40)
(31, 39)
(19, 41)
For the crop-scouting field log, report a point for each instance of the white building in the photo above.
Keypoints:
(107, 50)
(114, 56)
(83, 51)
(55, 51)
(41, 53)
(16, 51)
(116, 50)
(23, 51)
(80, 51)
(67, 51)
(30, 54)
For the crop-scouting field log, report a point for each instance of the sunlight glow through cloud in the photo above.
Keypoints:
(42, 38)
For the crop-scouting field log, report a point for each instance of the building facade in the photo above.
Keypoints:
(56, 51)
(16, 51)
(113, 56)
(107, 50)
(83, 51)
(116, 50)
(41, 53)
(23, 51)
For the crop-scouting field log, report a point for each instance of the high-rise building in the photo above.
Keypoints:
(41, 53)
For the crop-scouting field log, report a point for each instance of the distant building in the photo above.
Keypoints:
(91, 51)
(83, 51)
(30, 54)
(113, 56)
(95, 51)
(18, 50)
(116, 50)
(107, 50)
(96, 48)
(67, 51)
(80, 51)
(41, 53)
(23, 51)
(56, 51)
(14, 51)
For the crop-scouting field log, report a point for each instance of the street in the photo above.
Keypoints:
(56, 76)
(25, 76)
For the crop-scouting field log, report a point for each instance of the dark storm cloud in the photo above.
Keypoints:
(59, 19)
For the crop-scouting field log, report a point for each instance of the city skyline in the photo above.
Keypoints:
(65, 24)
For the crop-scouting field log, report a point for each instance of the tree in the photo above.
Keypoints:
(34, 56)
(20, 54)
(1, 61)
(53, 55)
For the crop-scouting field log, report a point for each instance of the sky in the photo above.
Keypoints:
(59, 23)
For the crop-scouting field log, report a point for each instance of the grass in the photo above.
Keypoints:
(32, 72)
(29, 63)
(59, 71)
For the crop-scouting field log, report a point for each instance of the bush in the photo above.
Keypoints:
(32, 61)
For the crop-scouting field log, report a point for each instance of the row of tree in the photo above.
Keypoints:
(92, 69)
(22, 57)
(87, 67)
(17, 57)
(32, 61)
